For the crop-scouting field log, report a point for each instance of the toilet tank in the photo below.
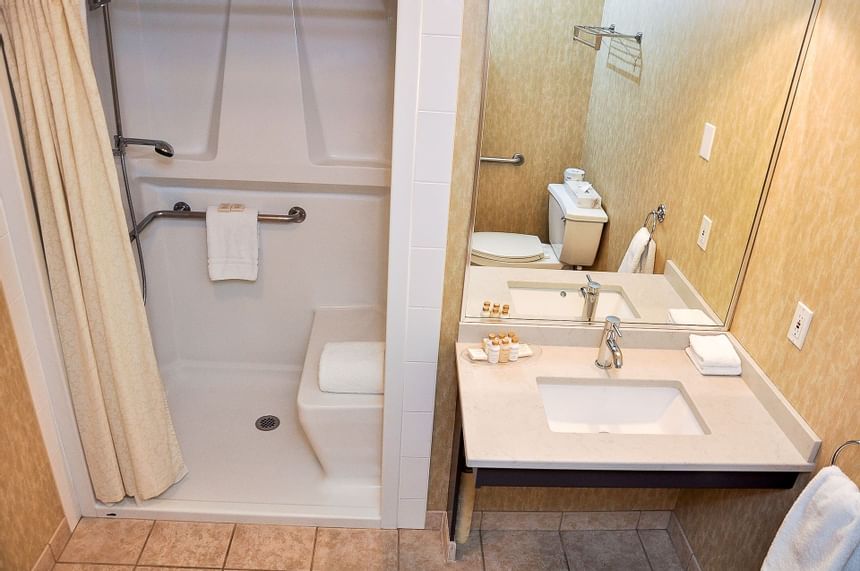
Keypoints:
(574, 233)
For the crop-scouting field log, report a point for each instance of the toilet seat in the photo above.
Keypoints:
(507, 247)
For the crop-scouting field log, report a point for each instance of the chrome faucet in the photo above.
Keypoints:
(590, 293)
(608, 352)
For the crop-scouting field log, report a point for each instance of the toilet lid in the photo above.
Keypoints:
(505, 246)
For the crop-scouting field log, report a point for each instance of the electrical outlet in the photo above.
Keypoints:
(704, 233)
(800, 325)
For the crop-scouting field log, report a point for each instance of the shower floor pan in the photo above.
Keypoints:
(237, 472)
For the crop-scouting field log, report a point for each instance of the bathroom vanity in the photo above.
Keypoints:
(556, 420)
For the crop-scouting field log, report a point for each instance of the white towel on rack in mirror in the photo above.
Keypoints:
(232, 241)
(630, 263)
(822, 529)
(646, 263)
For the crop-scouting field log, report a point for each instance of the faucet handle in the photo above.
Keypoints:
(613, 323)
(591, 283)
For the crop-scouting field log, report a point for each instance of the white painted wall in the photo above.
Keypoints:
(428, 63)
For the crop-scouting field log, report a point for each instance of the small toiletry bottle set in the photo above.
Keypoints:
(491, 309)
(502, 347)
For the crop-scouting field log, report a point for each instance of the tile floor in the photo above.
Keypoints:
(126, 545)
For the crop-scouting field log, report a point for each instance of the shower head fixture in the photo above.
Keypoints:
(163, 148)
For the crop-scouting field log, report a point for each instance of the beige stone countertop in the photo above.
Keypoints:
(504, 423)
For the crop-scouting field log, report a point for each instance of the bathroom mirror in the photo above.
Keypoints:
(672, 109)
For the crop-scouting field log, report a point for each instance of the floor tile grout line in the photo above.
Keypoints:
(145, 541)
(314, 548)
(481, 545)
(644, 550)
(229, 546)
(564, 551)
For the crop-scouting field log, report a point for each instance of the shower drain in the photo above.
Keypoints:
(267, 422)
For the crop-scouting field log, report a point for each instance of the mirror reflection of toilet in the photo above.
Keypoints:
(574, 235)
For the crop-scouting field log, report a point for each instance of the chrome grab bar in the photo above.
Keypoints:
(516, 160)
(296, 215)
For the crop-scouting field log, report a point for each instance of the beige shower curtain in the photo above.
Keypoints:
(121, 408)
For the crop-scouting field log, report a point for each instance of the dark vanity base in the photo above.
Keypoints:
(632, 479)
(518, 477)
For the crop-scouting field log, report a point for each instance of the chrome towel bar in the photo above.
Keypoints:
(841, 448)
(295, 215)
(516, 160)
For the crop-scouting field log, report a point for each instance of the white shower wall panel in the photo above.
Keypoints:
(335, 258)
(272, 90)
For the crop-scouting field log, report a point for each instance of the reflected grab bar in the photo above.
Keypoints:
(516, 160)
(296, 215)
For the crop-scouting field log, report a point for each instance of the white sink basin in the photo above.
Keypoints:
(538, 301)
(618, 406)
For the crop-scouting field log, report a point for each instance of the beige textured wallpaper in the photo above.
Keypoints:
(538, 85)
(30, 507)
(726, 63)
(459, 220)
(806, 250)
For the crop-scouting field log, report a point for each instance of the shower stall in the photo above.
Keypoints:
(274, 105)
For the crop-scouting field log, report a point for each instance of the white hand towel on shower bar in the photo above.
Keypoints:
(233, 243)
(822, 530)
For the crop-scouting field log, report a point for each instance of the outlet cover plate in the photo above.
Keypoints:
(704, 233)
(800, 325)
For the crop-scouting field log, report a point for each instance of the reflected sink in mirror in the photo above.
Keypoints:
(549, 301)
(618, 407)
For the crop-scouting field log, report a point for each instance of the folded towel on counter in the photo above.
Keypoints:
(352, 367)
(640, 241)
(233, 244)
(711, 371)
(690, 317)
(714, 355)
(822, 529)
(584, 195)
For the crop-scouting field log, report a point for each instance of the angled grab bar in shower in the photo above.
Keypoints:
(296, 215)
(515, 160)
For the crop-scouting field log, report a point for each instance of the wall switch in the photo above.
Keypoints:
(800, 325)
(704, 233)
(707, 141)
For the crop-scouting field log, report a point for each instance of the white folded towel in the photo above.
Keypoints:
(646, 263)
(711, 371)
(352, 367)
(822, 530)
(689, 317)
(584, 195)
(630, 263)
(233, 244)
(714, 355)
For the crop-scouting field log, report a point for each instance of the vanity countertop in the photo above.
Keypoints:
(504, 424)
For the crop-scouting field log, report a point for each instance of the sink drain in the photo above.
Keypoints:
(267, 423)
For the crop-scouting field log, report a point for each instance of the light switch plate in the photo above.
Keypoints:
(704, 233)
(800, 325)
(707, 141)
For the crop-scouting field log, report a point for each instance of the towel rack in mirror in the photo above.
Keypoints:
(296, 215)
(841, 448)
(600, 32)
(516, 160)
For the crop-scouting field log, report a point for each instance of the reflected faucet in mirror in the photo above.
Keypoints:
(608, 352)
(591, 294)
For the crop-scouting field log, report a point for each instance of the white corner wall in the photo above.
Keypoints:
(425, 105)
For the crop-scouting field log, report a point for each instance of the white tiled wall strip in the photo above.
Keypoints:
(430, 149)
